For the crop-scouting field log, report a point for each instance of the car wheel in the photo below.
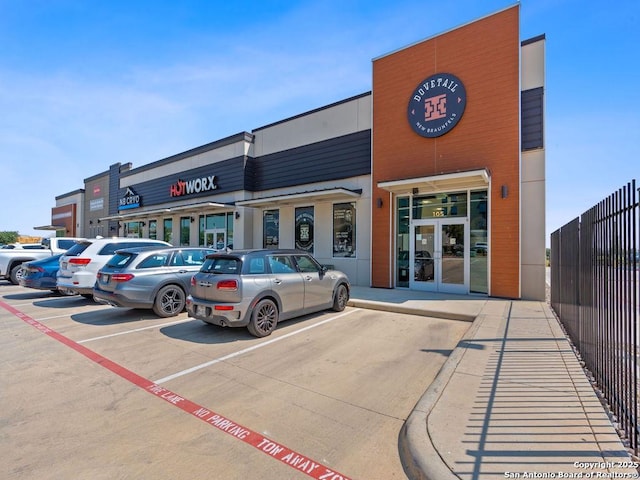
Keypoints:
(17, 273)
(264, 318)
(170, 301)
(340, 298)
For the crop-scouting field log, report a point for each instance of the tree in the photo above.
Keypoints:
(8, 237)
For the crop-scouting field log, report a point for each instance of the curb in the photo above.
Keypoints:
(418, 455)
(386, 307)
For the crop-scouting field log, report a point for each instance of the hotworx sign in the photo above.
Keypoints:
(195, 185)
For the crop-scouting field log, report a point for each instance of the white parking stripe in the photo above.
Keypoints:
(51, 318)
(135, 330)
(249, 349)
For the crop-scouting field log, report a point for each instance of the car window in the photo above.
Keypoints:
(177, 260)
(281, 264)
(119, 260)
(257, 266)
(192, 257)
(226, 265)
(77, 249)
(66, 244)
(154, 261)
(306, 264)
(33, 247)
(110, 248)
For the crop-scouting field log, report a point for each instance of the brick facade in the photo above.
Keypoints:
(484, 55)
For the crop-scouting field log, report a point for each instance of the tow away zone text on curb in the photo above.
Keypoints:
(260, 442)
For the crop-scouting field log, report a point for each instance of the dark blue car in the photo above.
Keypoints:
(41, 274)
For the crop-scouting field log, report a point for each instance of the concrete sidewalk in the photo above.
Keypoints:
(512, 400)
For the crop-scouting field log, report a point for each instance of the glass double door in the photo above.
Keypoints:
(439, 255)
(215, 238)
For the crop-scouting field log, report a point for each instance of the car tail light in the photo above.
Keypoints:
(34, 269)
(79, 261)
(193, 281)
(227, 285)
(223, 307)
(121, 277)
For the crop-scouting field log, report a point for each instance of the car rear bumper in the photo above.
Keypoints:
(79, 282)
(221, 314)
(39, 284)
(117, 300)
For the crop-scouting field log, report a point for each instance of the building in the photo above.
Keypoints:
(458, 162)
(434, 180)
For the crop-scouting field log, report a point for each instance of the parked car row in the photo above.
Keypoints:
(246, 288)
(14, 256)
(41, 274)
(80, 264)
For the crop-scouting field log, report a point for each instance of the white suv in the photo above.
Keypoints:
(80, 264)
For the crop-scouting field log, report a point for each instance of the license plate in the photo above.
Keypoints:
(64, 265)
(105, 278)
(201, 310)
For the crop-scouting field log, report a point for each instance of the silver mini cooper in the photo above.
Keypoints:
(259, 288)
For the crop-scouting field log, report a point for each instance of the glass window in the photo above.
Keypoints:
(306, 264)
(120, 260)
(222, 265)
(402, 242)
(185, 231)
(270, 228)
(133, 229)
(281, 264)
(220, 222)
(440, 205)
(344, 229)
(190, 257)
(216, 221)
(177, 260)
(256, 266)
(154, 261)
(168, 230)
(110, 248)
(479, 249)
(304, 229)
(153, 229)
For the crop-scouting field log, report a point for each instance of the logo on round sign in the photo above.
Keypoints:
(437, 105)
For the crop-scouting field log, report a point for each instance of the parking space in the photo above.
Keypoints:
(324, 396)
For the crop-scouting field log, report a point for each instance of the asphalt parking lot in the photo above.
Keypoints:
(91, 391)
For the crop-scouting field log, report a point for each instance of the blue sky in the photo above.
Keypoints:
(86, 84)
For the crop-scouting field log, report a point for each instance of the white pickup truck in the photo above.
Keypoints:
(11, 259)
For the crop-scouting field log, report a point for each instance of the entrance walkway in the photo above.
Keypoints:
(512, 401)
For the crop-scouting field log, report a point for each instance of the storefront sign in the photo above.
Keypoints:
(344, 229)
(196, 185)
(130, 200)
(96, 204)
(437, 105)
(304, 229)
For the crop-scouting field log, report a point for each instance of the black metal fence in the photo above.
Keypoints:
(594, 292)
